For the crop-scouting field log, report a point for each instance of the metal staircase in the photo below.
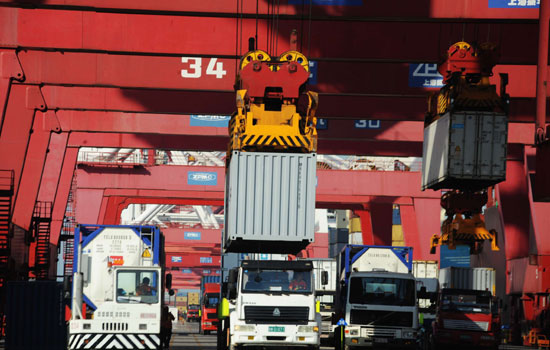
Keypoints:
(67, 232)
(6, 193)
(41, 223)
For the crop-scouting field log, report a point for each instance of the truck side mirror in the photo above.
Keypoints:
(232, 291)
(233, 274)
(422, 293)
(169, 281)
(324, 278)
(67, 287)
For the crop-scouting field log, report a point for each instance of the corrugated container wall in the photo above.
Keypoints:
(465, 149)
(193, 298)
(425, 269)
(476, 278)
(269, 202)
(210, 279)
(35, 315)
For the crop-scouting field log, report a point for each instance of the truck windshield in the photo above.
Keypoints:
(464, 302)
(211, 300)
(276, 281)
(382, 291)
(137, 286)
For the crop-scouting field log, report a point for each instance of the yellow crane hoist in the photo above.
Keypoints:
(464, 224)
(466, 92)
(466, 73)
(274, 112)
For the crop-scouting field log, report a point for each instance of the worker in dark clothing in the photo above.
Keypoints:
(166, 319)
(298, 283)
(144, 288)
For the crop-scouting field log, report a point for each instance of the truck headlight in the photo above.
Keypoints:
(409, 334)
(245, 328)
(308, 329)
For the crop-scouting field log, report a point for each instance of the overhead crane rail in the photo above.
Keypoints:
(468, 94)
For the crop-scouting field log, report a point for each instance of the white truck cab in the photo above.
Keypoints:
(117, 288)
(377, 297)
(272, 303)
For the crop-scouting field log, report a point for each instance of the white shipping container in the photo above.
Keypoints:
(475, 278)
(425, 269)
(465, 147)
(269, 202)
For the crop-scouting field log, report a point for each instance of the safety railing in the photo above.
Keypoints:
(6, 180)
(194, 158)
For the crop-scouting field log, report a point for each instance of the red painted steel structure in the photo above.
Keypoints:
(107, 192)
(99, 56)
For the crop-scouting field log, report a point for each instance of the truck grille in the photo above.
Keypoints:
(114, 326)
(377, 332)
(276, 314)
(467, 325)
(382, 318)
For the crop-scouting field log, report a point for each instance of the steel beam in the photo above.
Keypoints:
(31, 173)
(400, 11)
(109, 190)
(165, 72)
(217, 36)
(542, 71)
(514, 202)
(420, 221)
(540, 220)
(200, 102)
(62, 193)
(366, 226)
(15, 133)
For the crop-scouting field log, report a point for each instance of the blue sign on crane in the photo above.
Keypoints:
(515, 4)
(458, 257)
(424, 75)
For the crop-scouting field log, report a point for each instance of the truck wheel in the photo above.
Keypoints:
(206, 332)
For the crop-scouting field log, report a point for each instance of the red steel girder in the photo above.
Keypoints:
(108, 193)
(119, 32)
(168, 124)
(62, 193)
(209, 237)
(31, 173)
(540, 220)
(514, 203)
(164, 72)
(16, 126)
(331, 183)
(200, 102)
(400, 10)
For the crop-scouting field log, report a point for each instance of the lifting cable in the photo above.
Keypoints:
(257, 18)
(237, 41)
(276, 52)
(309, 29)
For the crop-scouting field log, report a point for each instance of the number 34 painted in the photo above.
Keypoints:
(195, 68)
